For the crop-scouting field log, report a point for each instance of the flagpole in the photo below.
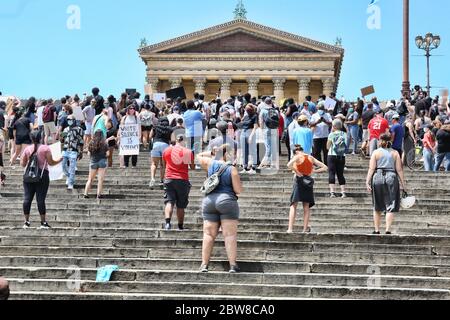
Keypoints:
(406, 86)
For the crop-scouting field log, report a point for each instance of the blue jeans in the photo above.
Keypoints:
(248, 148)
(69, 169)
(439, 159)
(271, 143)
(353, 133)
(429, 160)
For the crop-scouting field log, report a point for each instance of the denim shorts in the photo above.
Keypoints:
(99, 164)
(158, 149)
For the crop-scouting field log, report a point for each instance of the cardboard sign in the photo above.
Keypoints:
(330, 104)
(367, 91)
(159, 97)
(56, 172)
(78, 113)
(129, 140)
(176, 93)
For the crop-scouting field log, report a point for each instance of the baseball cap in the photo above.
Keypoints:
(396, 116)
(303, 118)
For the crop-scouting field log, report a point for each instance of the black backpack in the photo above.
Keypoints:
(402, 109)
(273, 119)
(32, 173)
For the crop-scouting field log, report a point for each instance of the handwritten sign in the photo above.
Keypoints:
(367, 91)
(56, 172)
(330, 104)
(129, 140)
(159, 97)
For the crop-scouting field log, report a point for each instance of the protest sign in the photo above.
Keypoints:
(330, 104)
(367, 91)
(56, 172)
(159, 97)
(129, 140)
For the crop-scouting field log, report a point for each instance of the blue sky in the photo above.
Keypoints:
(40, 56)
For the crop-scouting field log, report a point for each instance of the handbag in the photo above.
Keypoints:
(407, 202)
(212, 182)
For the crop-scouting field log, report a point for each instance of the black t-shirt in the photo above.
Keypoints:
(443, 139)
(366, 117)
(111, 133)
(163, 134)
(249, 122)
(100, 105)
(22, 127)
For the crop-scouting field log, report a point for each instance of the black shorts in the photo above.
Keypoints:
(177, 192)
(23, 140)
(145, 128)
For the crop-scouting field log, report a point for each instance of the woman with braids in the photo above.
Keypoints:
(384, 180)
(38, 189)
(98, 149)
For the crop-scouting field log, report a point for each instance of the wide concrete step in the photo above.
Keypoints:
(225, 288)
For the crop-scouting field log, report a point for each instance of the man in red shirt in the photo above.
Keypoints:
(178, 159)
(377, 127)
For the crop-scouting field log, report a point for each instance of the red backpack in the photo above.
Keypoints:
(47, 115)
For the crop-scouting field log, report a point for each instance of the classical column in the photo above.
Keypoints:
(328, 85)
(152, 85)
(278, 89)
(253, 87)
(303, 89)
(175, 82)
(200, 85)
(225, 89)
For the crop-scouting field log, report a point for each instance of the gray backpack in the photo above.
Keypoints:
(212, 182)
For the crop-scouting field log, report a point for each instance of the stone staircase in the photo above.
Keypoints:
(339, 260)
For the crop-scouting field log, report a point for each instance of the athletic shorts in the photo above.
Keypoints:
(158, 149)
(23, 141)
(217, 207)
(145, 128)
(101, 164)
(366, 135)
(49, 128)
(373, 146)
(177, 192)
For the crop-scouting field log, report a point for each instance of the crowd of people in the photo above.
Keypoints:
(241, 136)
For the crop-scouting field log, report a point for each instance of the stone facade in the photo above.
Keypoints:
(242, 56)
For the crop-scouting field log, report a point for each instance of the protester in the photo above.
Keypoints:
(99, 102)
(49, 118)
(97, 149)
(40, 188)
(337, 146)
(226, 136)
(303, 166)
(193, 120)
(220, 208)
(377, 126)
(320, 124)
(111, 139)
(248, 142)
(22, 130)
(89, 115)
(148, 120)
(398, 134)
(178, 159)
(162, 137)
(73, 150)
(290, 135)
(443, 147)
(269, 121)
(303, 136)
(384, 179)
(353, 129)
(2, 142)
(131, 117)
(429, 148)
(367, 116)
(100, 120)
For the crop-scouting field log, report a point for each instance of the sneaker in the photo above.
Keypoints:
(243, 172)
(45, 226)
(168, 227)
(388, 233)
(26, 225)
(332, 195)
(204, 268)
(376, 233)
(70, 187)
(234, 269)
(197, 167)
(67, 181)
(344, 195)
(85, 196)
(152, 184)
(251, 172)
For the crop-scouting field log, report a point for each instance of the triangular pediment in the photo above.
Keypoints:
(239, 41)
(240, 36)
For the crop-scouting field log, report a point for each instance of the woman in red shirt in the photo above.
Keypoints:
(429, 148)
(303, 166)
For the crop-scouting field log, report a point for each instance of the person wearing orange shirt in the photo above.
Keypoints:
(303, 166)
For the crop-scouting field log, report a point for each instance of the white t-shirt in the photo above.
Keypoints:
(40, 116)
(322, 130)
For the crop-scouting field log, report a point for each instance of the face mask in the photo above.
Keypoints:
(321, 113)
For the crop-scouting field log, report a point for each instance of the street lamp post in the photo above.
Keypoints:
(406, 86)
(428, 43)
